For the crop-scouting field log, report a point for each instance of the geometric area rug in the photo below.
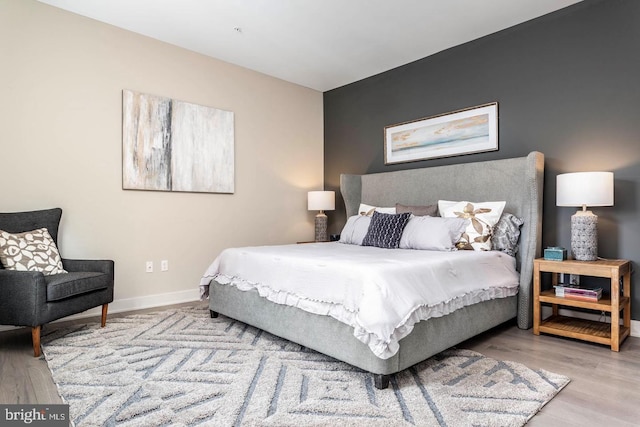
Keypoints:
(179, 367)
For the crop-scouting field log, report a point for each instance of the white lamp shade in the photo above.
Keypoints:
(584, 189)
(321, 200)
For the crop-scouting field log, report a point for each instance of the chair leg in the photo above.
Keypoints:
(35, 338)
(103, 322)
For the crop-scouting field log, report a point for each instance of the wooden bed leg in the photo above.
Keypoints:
(213, 314)
(381, 381)
(35, 337)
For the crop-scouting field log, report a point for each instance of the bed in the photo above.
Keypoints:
(518, 181)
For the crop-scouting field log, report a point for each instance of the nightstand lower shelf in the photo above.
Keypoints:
(587, 330)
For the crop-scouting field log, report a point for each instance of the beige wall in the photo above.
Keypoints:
(62, 77)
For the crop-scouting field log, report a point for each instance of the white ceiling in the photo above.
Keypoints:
(320, 44)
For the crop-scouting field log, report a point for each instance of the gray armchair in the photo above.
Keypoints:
(29, 298)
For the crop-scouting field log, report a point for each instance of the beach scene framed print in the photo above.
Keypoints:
(466, 131)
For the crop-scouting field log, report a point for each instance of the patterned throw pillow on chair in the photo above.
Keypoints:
(30, 251)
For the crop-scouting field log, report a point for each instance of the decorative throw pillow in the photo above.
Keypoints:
(385, 230)
(30, 251)
(506, 234)
(355, 229)
(429, 210)
(368, 210)
(432, 233)
(483, 217)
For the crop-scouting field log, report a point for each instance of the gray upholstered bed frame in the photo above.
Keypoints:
(518, 181)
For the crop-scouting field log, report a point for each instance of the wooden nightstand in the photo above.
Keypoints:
(599, 332)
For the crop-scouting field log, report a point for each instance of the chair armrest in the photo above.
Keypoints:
(89, 265)
(22, 294)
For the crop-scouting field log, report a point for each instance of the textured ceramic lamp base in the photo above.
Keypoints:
(321, 228)
(584, 237)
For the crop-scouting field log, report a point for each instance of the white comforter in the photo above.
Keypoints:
(381, 293)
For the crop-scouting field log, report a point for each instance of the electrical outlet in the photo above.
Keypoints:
(164, 265)
(149, 267)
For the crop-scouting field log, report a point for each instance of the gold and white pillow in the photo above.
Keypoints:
(482, 218)
(30, 251)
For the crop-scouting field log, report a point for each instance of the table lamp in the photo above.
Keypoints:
(584, 189)
(321, 201)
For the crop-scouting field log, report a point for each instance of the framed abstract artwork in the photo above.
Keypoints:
(171, 145)
(466, 131)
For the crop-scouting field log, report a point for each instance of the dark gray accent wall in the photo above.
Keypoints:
(567, 84)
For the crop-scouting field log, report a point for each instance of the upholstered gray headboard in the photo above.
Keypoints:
(518, 181)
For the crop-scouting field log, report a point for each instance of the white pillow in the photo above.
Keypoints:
(367, 210)
(355, 229)
(30, 251)
(432, 233)
(483, 217)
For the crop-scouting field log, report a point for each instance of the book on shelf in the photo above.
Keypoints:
(560, 289)
(581, 297)
(577, 293)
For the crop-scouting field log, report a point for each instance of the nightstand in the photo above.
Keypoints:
(599, 332)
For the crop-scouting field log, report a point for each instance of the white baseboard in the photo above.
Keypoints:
(130, 304)
(139, 303)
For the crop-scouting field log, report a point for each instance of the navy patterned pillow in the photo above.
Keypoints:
(385, 230)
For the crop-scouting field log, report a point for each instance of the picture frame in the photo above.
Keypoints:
(466, 131)
(177, 146)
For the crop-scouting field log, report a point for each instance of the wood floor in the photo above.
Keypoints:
(604, 388)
